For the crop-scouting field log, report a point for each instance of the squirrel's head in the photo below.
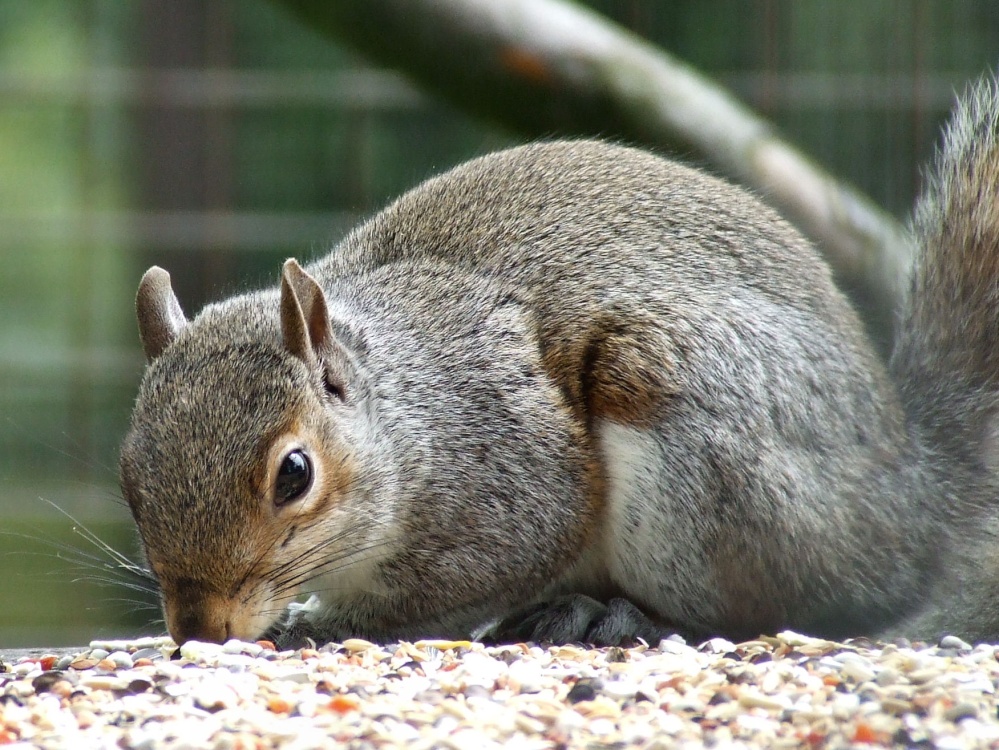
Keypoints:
(236, 448)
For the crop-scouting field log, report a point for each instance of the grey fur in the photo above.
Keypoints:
(581, 385)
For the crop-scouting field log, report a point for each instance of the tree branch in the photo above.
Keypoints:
(544, 67)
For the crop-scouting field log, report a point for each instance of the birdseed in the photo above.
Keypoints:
(787, 691)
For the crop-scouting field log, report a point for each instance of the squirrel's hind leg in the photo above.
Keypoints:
(577, 618)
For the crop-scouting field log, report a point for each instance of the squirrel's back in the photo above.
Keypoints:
(579, 216)
(606, 239)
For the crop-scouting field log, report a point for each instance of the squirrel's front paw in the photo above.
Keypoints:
(294, 629)
(579, 619)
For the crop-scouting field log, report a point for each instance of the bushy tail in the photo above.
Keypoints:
(946, 358)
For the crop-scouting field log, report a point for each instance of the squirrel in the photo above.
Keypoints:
(575, 391)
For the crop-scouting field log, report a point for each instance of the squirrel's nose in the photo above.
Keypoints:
(197, 619)
(196, 626)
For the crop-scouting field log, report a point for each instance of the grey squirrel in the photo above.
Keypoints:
(573, 391)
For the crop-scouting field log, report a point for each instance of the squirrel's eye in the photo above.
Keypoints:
(293, 478)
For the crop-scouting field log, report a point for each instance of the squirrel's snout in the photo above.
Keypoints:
(207, 618)
(198, 626)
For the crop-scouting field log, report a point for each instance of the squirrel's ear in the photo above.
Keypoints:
(305, 321)
(160, 315)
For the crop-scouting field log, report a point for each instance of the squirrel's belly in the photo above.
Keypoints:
(652, 548)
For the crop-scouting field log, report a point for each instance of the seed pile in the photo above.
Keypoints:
(788, 691)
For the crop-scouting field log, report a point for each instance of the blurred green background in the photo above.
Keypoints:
(217, 138)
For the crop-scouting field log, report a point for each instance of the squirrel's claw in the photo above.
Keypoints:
(293, 629)
(577, 618)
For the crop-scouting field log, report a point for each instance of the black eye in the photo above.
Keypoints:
(293, 478)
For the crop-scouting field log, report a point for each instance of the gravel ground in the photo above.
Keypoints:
(788, 691)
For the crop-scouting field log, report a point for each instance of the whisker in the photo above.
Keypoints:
(103, 566)
(284, 584)
(302, 559)
(76, 556)
(83, 531)
(136, 603)
(116, 583)
(75, 458)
